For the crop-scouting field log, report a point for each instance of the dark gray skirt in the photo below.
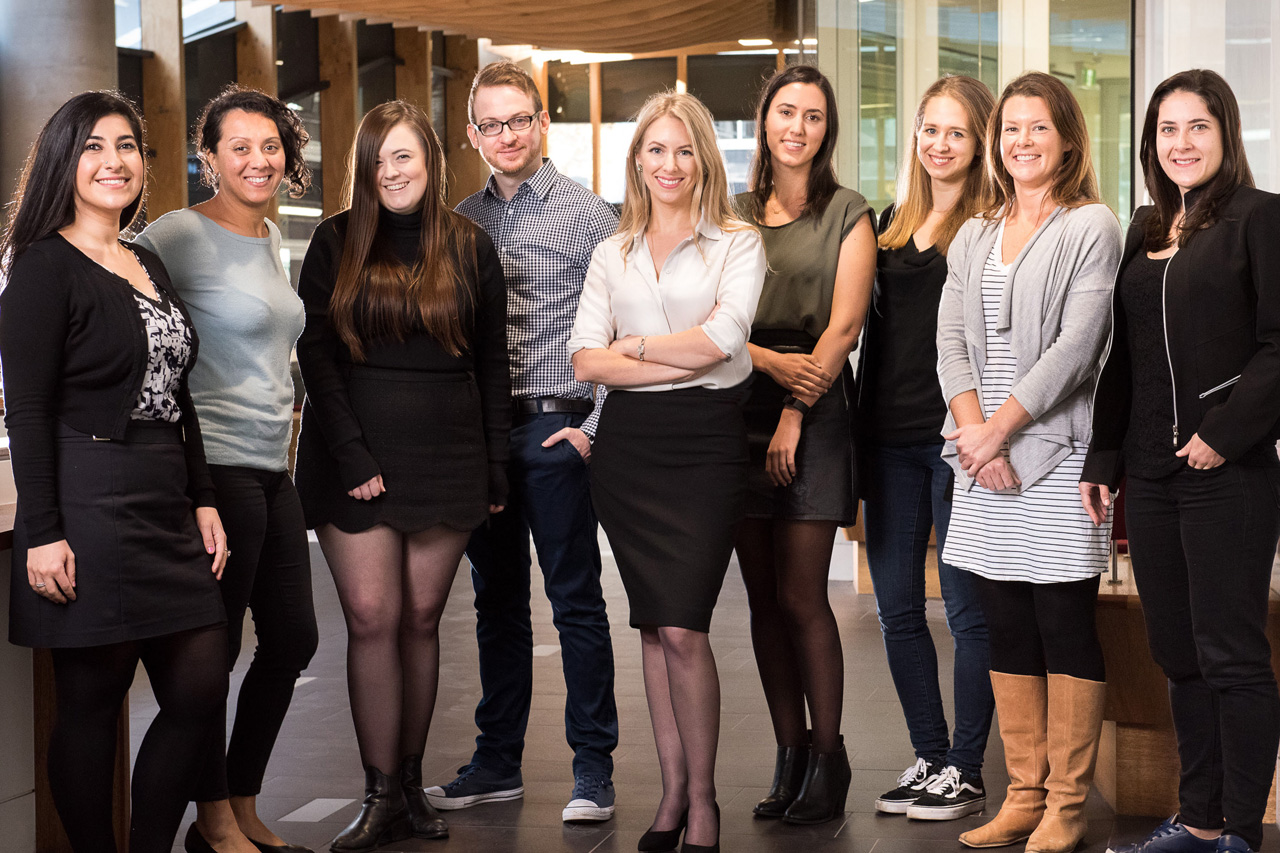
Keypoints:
(668, 479)
(141, 567)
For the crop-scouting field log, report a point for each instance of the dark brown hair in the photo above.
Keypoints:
(393, 296)
(1234, 171)
(915, 190)
(45, 200)
(1074, 184)
(822, 172)
(503, 73)
(293, 134)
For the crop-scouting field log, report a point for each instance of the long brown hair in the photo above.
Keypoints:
(710, 192)
(1074, 184)
(915, 188)
(822, 172)
(393, 296)
(1233, 173)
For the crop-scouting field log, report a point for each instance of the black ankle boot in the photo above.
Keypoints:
(826, 786)
(788, 776)
(427, 822)
(383, 819)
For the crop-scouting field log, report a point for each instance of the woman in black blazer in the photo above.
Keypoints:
(115, 525)
(1188, 406)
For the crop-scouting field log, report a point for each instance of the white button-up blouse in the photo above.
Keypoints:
(710, 268)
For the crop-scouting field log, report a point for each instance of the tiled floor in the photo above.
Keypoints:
(316, 778)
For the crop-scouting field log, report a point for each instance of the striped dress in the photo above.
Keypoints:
(1040, 534)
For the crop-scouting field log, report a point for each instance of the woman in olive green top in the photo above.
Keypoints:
(821, 248)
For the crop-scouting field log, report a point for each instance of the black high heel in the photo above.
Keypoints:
(663, 840)
(705, 848)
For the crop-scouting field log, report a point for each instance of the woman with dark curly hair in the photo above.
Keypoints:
(224, 258)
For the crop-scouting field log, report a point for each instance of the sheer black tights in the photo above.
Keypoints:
(797, 644)
(188, 674)
(393, 587)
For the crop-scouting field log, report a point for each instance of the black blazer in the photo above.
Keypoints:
(1222, 319)
(74, 350)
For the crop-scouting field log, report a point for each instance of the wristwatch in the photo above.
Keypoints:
(794, 402)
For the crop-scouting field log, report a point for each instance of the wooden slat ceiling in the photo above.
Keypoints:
(598, 26)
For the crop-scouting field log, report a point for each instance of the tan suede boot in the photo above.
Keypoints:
(1021, 702)
(1075, 725)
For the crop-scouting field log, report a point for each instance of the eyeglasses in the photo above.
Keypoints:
(516, 123)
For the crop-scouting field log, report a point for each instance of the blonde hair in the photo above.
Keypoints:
(915, 189)
(711, 187)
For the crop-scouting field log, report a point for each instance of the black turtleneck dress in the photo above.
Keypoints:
(433, 424)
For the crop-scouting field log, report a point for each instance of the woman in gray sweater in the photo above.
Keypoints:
(224, 258)
(1022, 326)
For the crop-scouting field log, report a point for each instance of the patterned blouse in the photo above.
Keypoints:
(168, 351)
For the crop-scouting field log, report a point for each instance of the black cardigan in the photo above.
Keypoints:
(1222, 320)
(74, 350)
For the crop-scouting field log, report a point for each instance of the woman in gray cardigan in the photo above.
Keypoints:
(1022, 327)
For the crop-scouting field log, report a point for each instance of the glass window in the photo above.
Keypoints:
(128, 23)
(968, 40)
(1250, 69)
(297, 54)
(730, 84)
(210, 66)
(737, 143)
(300, 216)
(877, 125)
(569, 105)
(615, 140)
(376, 57)
(625, 86)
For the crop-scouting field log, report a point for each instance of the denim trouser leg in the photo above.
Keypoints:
(550, 500)
(908, 493)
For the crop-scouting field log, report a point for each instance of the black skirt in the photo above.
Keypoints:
(425, 431)
(668, 480)
(825, 484)
(141, 567)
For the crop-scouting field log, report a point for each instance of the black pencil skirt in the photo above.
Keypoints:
(141, 567)
(668, 481)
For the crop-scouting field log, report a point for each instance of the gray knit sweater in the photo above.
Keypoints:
(1056, 314)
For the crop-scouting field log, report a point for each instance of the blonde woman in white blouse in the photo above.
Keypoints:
(663, 323)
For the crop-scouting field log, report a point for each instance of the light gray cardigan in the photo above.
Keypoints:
(1056, 314)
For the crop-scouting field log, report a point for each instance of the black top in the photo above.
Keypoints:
(1222, 315)
(322, 356)
(901, 400)
(1148, 445)
(74, 350)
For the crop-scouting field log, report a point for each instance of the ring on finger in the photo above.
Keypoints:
(40, 586)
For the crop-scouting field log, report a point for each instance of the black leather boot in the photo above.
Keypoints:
(383, 819)
(788, 776)
(826, 786)
(426, 821)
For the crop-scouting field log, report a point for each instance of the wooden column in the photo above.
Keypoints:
(338, 119)
(256, 47)
(597, 111)
(467, 172)
(682, 72)
(413, 73)
(541, 79)
(164, 91)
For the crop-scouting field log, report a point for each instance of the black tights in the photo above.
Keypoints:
(1038, 628)
(188, 674)
(793, 631)
(393, 587)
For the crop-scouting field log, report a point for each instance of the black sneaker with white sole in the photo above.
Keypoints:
(911, 785)
(953, 794)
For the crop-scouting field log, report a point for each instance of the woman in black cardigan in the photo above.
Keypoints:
(1188, 406)
(403, 447)
(115, 526)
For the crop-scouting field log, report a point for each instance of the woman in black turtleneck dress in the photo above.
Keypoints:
(404, 440)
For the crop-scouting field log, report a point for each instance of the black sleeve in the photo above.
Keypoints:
(1112, 403)
(318, 350)
(35, 320)
(886, 216)
(493, 374)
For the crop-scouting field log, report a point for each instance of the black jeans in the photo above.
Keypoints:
(1202, 545)
(269, 572)
(1038, 628)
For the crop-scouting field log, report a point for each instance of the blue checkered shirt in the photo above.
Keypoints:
(544, 236)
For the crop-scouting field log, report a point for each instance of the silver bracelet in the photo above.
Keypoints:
(640, 349)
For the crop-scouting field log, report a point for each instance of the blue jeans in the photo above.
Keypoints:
(550, 499)
(908, 491)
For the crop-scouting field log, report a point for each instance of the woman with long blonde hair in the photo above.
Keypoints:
(663, 322)
(906, 484)
(404, 439)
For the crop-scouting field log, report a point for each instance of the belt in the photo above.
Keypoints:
(547, 405)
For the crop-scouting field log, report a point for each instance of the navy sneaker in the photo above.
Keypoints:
(952, 795)
(1170, 837)
(911, 785)
(1233, 844)
(592, 800)
(474, 786)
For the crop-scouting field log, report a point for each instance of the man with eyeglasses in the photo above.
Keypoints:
(545, 227)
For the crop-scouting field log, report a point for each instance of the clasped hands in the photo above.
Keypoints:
(978, 447)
